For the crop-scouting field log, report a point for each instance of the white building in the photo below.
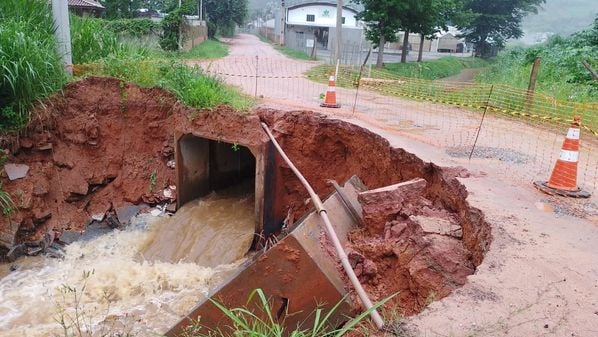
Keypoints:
(313, 24)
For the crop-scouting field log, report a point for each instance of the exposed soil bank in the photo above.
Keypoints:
(105, 143)
(425, 247)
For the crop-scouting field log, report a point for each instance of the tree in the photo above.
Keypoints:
(435, 16)
(117, 9)
(222, 15)
(381, 23)
(488, 24)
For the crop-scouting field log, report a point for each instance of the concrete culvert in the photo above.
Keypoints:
(421, 241)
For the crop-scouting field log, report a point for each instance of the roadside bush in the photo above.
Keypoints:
(171, 30)
(30, 68)
(137, 27)
(561, 74)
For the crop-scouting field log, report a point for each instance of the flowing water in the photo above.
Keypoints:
(140, 280)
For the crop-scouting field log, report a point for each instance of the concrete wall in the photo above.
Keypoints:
(194, 33)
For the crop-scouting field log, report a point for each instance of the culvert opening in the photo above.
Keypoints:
(207, 165)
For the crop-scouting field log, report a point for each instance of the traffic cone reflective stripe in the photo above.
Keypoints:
(330, 99)
(563, 180)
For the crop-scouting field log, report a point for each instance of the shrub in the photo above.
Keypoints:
(171, 26)
(134, 27)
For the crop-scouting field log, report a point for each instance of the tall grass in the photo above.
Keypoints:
(561, 74)
(190, 85)
(263, 323)
(209, 49)
(30, 68)
(92, 40)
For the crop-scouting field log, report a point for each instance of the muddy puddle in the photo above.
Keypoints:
(140, 280)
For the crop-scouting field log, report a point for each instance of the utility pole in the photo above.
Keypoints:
(283, 22)
(339, 31)
(60, 11)
(200, 10)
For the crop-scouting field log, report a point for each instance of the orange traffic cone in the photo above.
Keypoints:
(563, 180)
(330, 99)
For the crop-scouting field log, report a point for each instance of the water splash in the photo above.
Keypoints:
(117, 289)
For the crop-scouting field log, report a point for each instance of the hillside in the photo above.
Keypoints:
(562, 17)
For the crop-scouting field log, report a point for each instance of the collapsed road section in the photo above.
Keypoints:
(98, 152)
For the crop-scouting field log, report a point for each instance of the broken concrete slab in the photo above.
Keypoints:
(382, 205)
(125, 213)
(16, 171)
(435, 225)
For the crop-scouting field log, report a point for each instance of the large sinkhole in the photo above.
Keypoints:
(422, 244)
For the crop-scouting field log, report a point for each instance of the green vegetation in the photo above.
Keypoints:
(561, 75)
(136, 27)
(6, 204)
(263, 323)
(428, 70)
(489, 24)
(209, 49)
(435, 69)
(171, 29)
(152, 181)
(190, 85)
(91, 41)
(30, 68)
(292, 53)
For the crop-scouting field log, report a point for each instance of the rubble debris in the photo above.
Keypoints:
(16, 171)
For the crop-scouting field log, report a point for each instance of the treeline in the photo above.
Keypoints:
(486, 24)
(221, 16)
(562, 74)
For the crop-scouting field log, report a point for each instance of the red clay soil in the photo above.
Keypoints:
(101, 139)
(95, 150)
(423, 249)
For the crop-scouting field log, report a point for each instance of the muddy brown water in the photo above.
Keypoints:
(140, 280)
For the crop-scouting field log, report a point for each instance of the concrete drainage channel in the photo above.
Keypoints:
(405, 225)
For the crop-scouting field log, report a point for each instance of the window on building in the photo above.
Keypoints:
(343, 20)
(311, 18)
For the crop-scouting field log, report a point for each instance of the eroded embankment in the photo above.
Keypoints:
(425, 247)
(104, 143)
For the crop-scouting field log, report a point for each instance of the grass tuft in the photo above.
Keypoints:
(209, 49)
(262, 322)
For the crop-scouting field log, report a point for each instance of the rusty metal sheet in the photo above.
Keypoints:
(287, 274)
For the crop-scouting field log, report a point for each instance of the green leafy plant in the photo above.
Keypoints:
(152, 181)
(136, 27)
(248, 323)
(6, 203)
(171, 28)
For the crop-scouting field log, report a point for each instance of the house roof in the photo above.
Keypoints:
(85, 4)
